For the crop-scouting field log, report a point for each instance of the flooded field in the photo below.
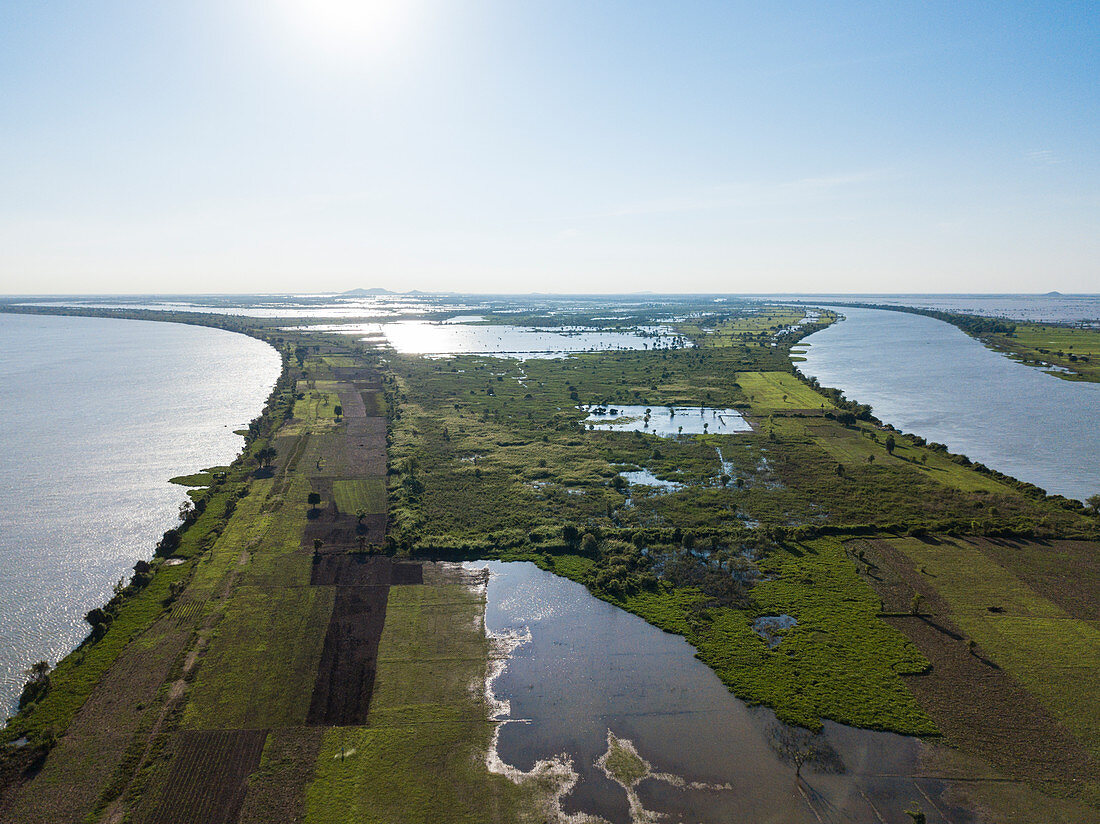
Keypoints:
(416, 337)
(666, 421)
(650, 731)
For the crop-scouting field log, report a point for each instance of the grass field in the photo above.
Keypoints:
(775, 391)
(237, 686)
(367, 495)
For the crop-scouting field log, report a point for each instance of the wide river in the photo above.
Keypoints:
(97, 415)
(927, 377)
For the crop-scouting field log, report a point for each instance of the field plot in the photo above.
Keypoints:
(368, 495)
(237, 683)
(208, 774)
(1023, 695)
(345, 673)
(422, 756)
(779, 391)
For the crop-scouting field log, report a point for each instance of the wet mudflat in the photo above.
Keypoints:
(591, 677)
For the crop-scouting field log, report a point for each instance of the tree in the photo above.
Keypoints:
(589, 544)
(265, 456)
(798, 746)
(317, 544)
(38, 684)
(1093, 504)
(338, 411)
(313, 499)
(890, 443)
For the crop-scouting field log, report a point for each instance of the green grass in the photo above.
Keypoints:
(776, 391)
(261, 663)
(368, 495)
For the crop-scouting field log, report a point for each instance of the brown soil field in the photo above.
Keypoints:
(206, 781)
(345, 676)
(364, 570)
(340, 533)
(373, 403)
(352, 403)
(365, 447)
(367, 377)
(974, 703)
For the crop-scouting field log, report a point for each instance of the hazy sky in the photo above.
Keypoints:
(505, 145)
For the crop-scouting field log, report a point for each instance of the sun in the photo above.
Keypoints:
(361, 29)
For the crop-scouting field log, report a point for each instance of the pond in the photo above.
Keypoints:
(595, 684)
(665, 421)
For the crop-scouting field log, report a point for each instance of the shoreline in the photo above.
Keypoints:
(147, 554)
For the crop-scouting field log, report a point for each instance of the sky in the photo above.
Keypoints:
(248, 146)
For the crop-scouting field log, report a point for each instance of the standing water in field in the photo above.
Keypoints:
(927, 377)
(649, 729)
(98, 415)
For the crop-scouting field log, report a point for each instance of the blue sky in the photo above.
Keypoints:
(487, 145)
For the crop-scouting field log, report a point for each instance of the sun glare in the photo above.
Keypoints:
(352, 29)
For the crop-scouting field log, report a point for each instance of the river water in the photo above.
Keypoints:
(97, 415)
(927, 377)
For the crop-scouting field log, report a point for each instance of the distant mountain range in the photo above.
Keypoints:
(362, 293)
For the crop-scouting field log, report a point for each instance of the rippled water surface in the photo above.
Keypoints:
(929, 378)
(589, 668)
(96, 416)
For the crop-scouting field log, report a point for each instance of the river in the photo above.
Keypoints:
(929, 378)
(98, 414)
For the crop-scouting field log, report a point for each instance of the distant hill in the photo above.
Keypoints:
(1052, 295)
(362, 293)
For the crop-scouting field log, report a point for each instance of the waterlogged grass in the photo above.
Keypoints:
(1054, 656)
(840, 662)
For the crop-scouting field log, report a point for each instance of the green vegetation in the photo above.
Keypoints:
(1069, 348)
(772, 391)
(366, 495)
(490, 458)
